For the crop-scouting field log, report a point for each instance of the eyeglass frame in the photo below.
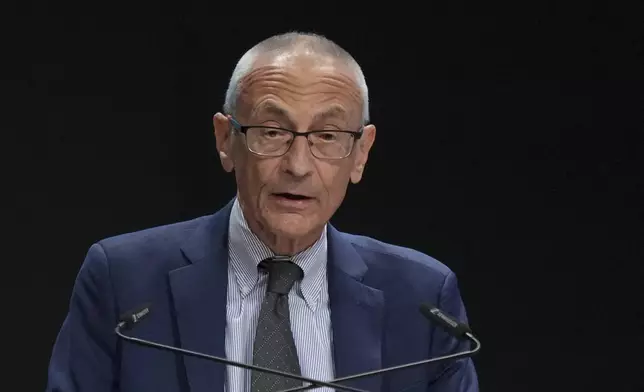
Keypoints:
(243, 129)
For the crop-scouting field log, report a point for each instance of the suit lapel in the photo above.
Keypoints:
(199, 292)
(357, 314)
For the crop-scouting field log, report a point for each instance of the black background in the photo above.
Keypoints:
(509, 147)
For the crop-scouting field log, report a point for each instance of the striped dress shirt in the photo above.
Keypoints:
(308, 304)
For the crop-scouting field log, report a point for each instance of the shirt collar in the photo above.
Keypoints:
(247, 251)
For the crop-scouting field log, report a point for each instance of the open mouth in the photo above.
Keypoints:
(292, 196)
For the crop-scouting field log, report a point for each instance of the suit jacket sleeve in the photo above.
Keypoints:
(460, 375)
(84, 355)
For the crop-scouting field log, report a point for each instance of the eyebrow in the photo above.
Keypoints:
(335, 111)
(271, 108)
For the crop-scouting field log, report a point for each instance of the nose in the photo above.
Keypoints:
(298, 161)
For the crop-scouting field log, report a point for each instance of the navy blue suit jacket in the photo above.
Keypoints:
(181, 270)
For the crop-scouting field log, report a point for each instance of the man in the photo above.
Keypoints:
(295, 132)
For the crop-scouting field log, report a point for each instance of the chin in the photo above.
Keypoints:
(291, 225)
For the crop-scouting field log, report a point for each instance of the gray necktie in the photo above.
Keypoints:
(274, 347)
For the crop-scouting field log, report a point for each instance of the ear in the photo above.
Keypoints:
(363, 146)
(223, 139)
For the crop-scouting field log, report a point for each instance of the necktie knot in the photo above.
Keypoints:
(282, 273)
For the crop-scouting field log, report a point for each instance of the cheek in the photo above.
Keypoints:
(256, 174)
(265, 171)
(335, 179)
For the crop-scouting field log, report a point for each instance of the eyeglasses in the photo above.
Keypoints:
(275, 142)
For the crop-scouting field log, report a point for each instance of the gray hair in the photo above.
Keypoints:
(284, 42)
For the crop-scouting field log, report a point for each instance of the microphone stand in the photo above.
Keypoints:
(142, 342)
(460, 354)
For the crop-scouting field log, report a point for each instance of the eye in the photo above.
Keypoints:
(326, 136)
(269, 133)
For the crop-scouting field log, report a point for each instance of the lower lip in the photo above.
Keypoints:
(292, 203)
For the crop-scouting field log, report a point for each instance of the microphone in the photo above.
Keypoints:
(130, 319)
(456, 329)
(453, 327)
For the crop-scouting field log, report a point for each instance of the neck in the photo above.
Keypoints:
(283, 245)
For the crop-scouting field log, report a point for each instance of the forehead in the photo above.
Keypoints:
(290, 85)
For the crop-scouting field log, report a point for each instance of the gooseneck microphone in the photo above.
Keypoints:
(129, 319)
(456, 329)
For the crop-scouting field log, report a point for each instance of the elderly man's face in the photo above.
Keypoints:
(294, 195)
